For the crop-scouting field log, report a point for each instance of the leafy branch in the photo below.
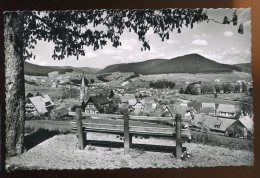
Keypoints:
(71, 31)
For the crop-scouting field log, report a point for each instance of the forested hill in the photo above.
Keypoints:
(37, 70)
(246, 67)
(191, 63)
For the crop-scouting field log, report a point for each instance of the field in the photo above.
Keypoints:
(230, 77)
(52, 92)
(231, 98)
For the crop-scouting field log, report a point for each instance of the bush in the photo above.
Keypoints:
(218, 140)
(29, 95)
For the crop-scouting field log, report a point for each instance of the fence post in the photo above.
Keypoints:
(126, 135)
(178, 136)
(80, 129)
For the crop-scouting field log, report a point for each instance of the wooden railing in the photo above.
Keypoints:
(128, 130)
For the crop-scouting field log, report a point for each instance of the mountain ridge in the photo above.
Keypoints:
(190, 63)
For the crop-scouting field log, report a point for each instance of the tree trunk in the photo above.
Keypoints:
(14, 86)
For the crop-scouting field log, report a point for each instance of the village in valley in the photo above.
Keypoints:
(215, 107)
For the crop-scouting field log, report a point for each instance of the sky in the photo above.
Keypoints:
(221, 43)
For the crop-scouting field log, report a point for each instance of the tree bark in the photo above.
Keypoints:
(14, 86)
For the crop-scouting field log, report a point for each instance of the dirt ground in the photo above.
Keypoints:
(60, 152)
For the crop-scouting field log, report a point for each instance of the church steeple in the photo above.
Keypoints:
(83, 88)
(83, 80)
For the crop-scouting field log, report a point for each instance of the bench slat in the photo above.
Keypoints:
(164, 132)
(137, 118)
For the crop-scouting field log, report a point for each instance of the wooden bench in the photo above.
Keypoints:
(127, 130)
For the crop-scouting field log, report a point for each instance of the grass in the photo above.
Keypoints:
(225, 99)
(62, 127)
(180, 77)
(54, 93)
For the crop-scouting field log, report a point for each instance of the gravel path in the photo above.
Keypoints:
(60, 152)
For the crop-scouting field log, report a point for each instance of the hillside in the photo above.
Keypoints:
(37, 70)
(246, 67)
(137, 67)
(191, 63)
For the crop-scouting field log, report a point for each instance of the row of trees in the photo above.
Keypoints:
(162, 84)
(206, 88)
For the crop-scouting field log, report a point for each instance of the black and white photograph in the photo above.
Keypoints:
(120, 88)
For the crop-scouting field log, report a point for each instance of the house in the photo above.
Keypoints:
(226, 110)
(39, 105)
(248, 126)
(136, 104)
(172, 109)
(59, 113)
(208, 105)
(54, 84)
(184, 104)
(95, 104)
(196, 123)
(148, 108)
(208, 110)
(140, 104)
(212, 124)
(126, 97)
(219, 125)
(151, 104)
(53, 74)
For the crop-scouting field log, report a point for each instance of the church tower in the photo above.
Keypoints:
(83, 88)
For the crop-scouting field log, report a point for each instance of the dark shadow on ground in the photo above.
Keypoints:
(37, 137)
(145, 147)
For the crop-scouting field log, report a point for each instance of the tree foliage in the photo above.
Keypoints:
(244, 87)
(207, 88)
(237, 88)
(162, 84)
(70, 30)
(92, 81)
(246, 105)
(193, 88)
(181, 91)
